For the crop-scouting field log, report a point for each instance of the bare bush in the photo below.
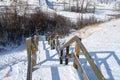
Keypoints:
(63, 25)
(16, 27)
(85, 22)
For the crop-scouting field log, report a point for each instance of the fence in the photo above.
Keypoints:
(32, 46)
(76, 64)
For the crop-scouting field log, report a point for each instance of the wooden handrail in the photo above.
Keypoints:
(68, 42)
(91, 62)
(31, 46)
(88, 57)
(29, 67)
(81, 68)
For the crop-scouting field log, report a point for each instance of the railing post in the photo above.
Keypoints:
(56, 41)
(67, 52)
(34, 48)
(51, 43)
(53, 46)
(34, 57)
(36, 41)
(91, 62)
(29, 69)
(61, 55)
(49, 39)
(46, 37)
(77, 52)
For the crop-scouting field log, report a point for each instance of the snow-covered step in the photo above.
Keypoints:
(55, 72)
(48, 67)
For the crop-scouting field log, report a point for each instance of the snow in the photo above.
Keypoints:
(101, 41)
(104, 46)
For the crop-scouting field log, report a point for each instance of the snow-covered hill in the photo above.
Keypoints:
(102, 42)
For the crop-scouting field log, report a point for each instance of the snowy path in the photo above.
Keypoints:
(102, 43)
(48, 67)
(13, 65)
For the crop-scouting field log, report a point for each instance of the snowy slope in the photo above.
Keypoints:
(103, 44)
(13, 65)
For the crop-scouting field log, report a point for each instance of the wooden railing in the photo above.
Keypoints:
(31, 46)
(76, 64)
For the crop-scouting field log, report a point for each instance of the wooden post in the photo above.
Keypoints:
(54, 44)
(67, 52)
(29, 69)
(84, 75)
(61, 54)
(91, 62)
(36, 41)
(46, 37)
(57, 43)
(51, 44)
(34, 57)
(77, 52)
(49, 39)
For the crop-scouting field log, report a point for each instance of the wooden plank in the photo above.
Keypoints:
(77, 52)
(61, 54)
(68, 43)
(29, 69)
(34, 56)
(88, 57)
(84, 75)
(91, 62)
(68, 56)
(36, 41)
(67, 52)
(57, 44)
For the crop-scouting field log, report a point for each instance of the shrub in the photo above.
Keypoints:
(85, 22)
(17, 27)
(63, 25)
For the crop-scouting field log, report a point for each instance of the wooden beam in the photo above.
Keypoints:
(67, 52)
(77, 52)
(89, 59)
(84, 75)
(61, 54)
(68, 43)
(34, 56)
(36, 41)
(29, 69)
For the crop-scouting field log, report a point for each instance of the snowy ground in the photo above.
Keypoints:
(102, 42)
(101, 12)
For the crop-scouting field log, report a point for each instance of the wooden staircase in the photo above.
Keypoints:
(49, 58)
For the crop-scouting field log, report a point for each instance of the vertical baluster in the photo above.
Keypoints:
(29, 69)
(67, 52)
(77, 52)
(61, 55)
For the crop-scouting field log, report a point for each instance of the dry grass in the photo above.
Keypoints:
(114, 15)
(7, 75)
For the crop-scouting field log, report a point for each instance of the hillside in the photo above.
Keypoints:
(102, 42)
